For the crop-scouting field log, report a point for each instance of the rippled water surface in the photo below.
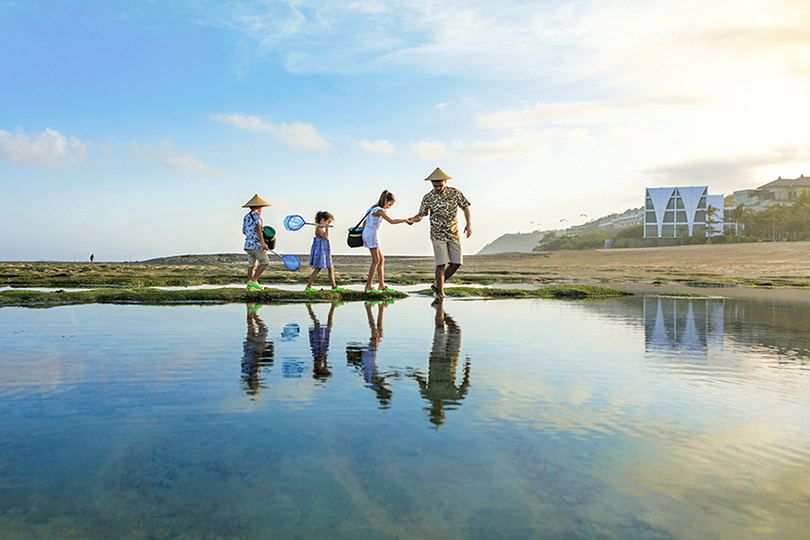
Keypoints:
(628, 418)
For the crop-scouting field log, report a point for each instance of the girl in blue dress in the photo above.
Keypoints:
(320, 256)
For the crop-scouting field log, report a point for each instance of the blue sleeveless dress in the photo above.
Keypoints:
(320, 256)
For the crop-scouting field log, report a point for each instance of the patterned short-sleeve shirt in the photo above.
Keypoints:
(249, 230)
(443, 206)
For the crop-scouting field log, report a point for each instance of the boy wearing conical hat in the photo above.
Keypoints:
(442, 204)
(255, 246)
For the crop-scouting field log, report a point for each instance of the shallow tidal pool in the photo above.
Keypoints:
(639, 417)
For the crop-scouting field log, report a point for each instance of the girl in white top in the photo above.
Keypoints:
(371, 225)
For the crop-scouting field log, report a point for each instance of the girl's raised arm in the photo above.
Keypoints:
(392, 221)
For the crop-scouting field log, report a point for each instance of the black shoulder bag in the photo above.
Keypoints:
(355, 238)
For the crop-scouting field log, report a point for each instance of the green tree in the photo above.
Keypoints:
(711, 221)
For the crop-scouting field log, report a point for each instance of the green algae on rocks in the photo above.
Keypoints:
(151, 296)
(561, 291)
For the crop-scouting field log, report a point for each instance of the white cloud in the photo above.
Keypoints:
(297, 135)
(440, 105)
(382, 146)
(166, 153)
(430, 151)
(49, 149)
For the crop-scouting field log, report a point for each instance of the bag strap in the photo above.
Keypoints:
(364, 217)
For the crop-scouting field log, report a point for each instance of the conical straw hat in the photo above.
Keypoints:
(438, 174)
(255, 201)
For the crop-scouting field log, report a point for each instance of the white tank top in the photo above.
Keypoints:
(372, 221)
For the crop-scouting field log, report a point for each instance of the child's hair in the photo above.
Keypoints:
(385, 197)
(323, 215)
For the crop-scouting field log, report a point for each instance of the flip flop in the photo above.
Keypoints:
(310, 289)
(434, 288)
(337, 289)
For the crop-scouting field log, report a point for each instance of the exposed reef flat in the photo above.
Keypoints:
(225, 295)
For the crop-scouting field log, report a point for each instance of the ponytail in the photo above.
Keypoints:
(385, 197)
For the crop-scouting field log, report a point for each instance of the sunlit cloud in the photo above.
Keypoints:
(526, 143)
(440, 105)
(169, 155)
(430, 151)
(383, 146)
(731, 172)
(296, 135)
(49, 149)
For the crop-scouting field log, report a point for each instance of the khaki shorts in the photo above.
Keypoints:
(447, 251)
(257, 255)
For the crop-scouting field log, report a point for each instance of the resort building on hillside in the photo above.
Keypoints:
(627, 219)
(780, 191)
(674, 212)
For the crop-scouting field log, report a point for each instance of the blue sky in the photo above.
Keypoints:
(137, 129)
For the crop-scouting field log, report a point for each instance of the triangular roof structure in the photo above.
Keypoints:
(801, 181)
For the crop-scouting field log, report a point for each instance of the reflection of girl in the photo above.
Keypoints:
(365, 357)
(319, 343)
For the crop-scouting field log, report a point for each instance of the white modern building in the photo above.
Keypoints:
(674, 212)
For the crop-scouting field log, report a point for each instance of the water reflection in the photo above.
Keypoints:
(364, 357)
(700, 325)
(257, 352)
(574, 429)
(319, 336)
(440, 387)
(681, 324)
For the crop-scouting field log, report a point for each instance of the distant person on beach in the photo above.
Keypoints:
(255, 246)
(320, 256)
(371, 225)
(442, 204)
(92, 257)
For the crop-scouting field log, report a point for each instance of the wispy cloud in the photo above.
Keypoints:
(430, 151)
(346, 36)
(297, 135)
(168, 154)
(49, 149)
(526, 143)
(383, 146)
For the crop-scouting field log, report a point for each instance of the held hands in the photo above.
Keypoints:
(409, 221)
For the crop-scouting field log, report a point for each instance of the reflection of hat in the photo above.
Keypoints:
(438, 174)
(255, 201)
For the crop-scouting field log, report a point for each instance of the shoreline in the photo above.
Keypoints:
(777, 271)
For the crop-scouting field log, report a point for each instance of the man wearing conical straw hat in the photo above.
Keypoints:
(255, 246)
(442, 204)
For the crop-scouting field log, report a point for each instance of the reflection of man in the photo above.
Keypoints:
(440, 387)
(364, 357)
(257, 351)
(442, 204)
(319, 343)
